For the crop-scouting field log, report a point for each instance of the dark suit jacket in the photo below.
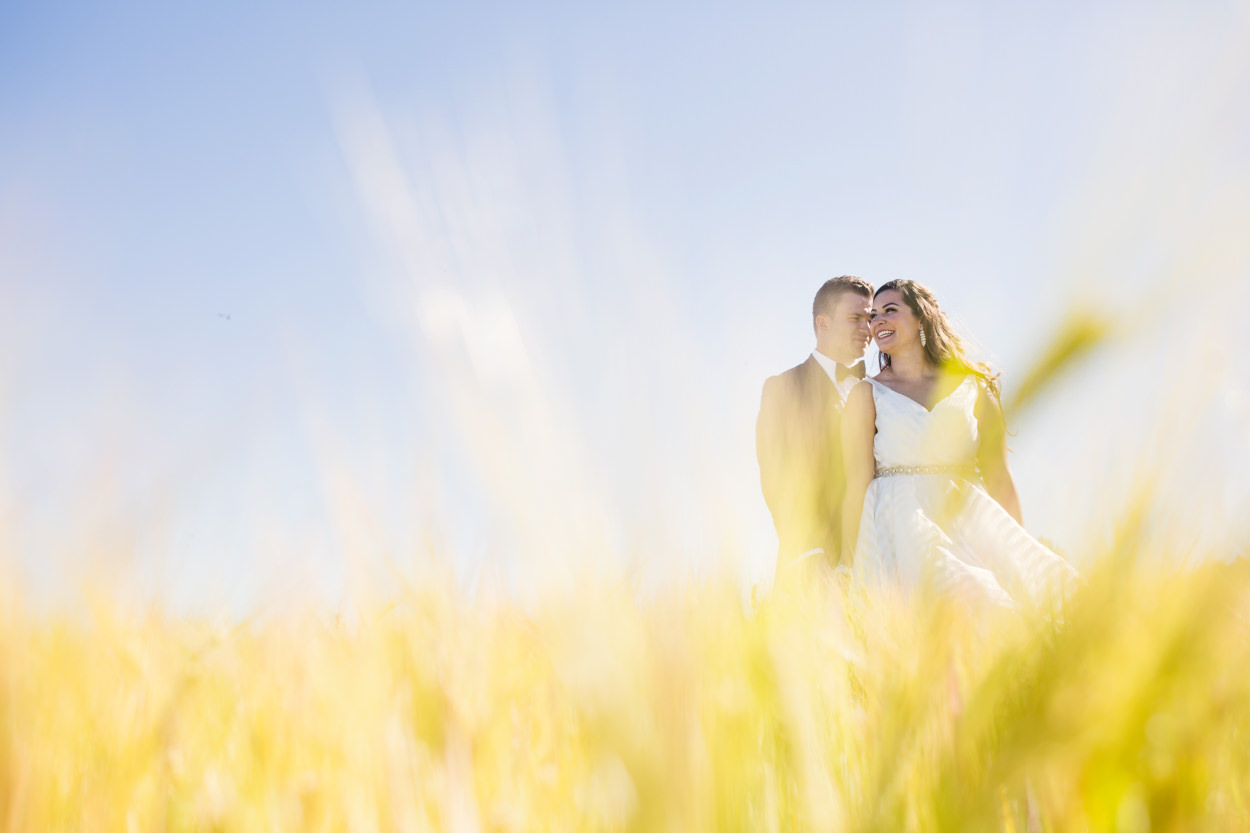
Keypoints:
(799, 445)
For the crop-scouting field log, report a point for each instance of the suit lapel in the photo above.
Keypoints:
(818, 389)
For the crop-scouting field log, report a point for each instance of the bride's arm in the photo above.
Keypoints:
(859, 424)
(992, 454)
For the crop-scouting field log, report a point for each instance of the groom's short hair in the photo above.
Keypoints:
(833, 289)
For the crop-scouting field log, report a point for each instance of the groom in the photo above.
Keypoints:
(798, 433)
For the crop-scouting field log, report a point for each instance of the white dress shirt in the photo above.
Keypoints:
(831, 367)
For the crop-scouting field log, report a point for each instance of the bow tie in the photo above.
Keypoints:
(856, 370)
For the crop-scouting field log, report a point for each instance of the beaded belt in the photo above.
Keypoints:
(967, 472)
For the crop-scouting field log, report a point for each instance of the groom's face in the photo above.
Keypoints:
(844, 330)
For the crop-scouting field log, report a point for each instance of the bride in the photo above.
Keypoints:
(929, 501)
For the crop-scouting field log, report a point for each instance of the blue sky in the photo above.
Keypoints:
(508, 278)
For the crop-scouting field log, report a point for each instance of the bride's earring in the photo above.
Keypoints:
(923, 340)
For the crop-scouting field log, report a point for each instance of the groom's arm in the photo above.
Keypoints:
(769, 441)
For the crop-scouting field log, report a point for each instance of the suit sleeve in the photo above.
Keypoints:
(769, 439)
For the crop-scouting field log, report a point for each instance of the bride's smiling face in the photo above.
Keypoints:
(894, 325)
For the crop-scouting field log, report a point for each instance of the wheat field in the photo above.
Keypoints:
(819, 711)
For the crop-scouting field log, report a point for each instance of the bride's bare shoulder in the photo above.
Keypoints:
(860, 397)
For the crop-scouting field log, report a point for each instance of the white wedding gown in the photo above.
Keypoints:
(928, 521)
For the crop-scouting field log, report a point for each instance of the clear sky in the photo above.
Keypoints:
(295, 290)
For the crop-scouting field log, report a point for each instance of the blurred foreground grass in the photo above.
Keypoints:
(811, 712)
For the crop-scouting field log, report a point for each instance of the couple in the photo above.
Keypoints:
(901, 478)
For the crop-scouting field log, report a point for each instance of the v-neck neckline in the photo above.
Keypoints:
(921, 405)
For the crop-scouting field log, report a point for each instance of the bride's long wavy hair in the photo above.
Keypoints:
(942, 346)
